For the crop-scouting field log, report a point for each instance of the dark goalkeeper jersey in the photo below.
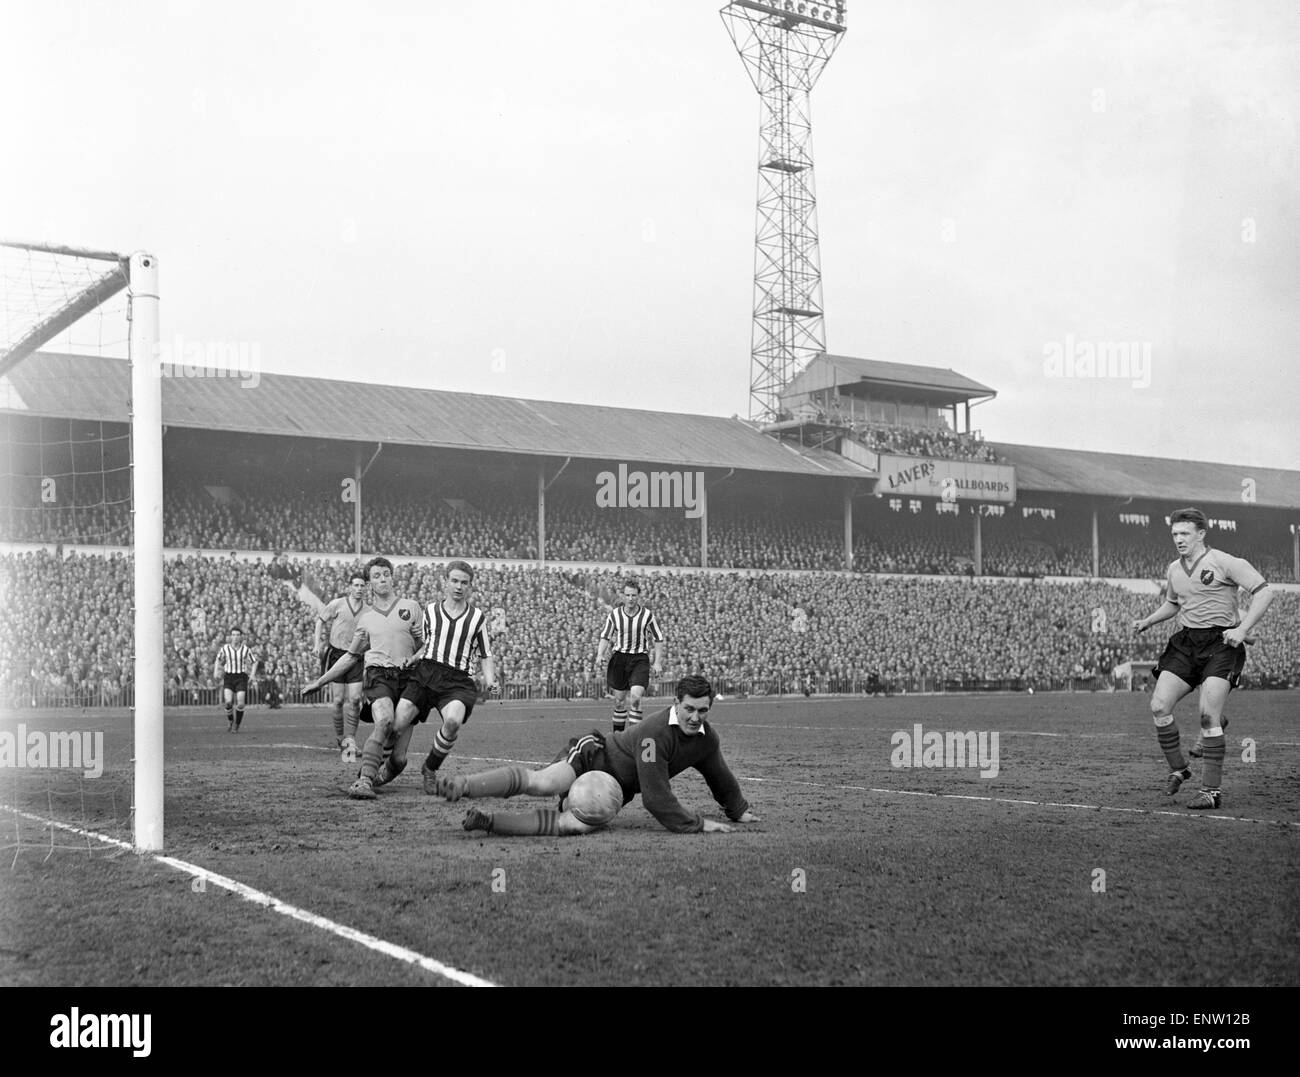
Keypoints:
(645, 757)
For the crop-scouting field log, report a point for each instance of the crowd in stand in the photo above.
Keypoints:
(502, 524)
(272, 516)
(65, 626)
(932, 441)
(901, 439)
(443, 517)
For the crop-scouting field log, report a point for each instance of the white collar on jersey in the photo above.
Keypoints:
(672, 720)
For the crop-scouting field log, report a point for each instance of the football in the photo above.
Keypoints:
(595, 798)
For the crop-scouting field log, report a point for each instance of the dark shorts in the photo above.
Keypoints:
(1197, 653)
(584, 754)
(352, 676)
(383, 682)
(431, 685)
(626, 670)
(235, 682)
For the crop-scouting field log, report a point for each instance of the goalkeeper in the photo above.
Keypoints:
(643, 759)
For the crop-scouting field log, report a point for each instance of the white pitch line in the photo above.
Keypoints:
(304, 747)
(257, 897)
(1009, 800)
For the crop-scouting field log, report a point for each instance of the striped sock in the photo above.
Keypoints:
(338, 720)
(443, 743)
(351, 717)
(502, 782)
(372, 755)
(544, 821)
(1171, 745)
(1215, 748)
(634, 713)
(620, 719)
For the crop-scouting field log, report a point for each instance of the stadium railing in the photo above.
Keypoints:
(593, 688)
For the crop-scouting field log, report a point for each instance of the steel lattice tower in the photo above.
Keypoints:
(785, 45)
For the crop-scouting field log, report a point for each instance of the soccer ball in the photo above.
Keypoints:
(595, 798)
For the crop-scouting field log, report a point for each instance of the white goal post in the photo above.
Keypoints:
(46, 290)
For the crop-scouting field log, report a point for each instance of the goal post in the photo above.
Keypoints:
(147, 493)
(61, 296)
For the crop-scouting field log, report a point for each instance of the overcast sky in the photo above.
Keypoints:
(557, 200)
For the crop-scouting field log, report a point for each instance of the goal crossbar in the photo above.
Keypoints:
(92, 295)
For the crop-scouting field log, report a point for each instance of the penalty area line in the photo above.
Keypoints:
(269, 901)
(1010, 800)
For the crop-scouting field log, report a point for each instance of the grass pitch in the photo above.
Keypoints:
(1070, 867)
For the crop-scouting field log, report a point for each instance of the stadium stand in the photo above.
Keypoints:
(466, 476)
(65, 626)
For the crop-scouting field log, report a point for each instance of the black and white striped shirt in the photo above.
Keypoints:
(631, 633)
(455, 641)
(236, 659)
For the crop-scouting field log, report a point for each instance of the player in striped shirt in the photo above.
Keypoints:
(629, 630)
(235, 662)
(455, 637)
(389, 632)
(335, 627)
(1207, 650)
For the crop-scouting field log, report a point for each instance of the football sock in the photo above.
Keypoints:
(351, 716)
(239, 716)
(542, 821)
(338, 719)
(502, 782)
(230, 711)
(1215, 748)
(620, 719)
(372, 755)
(1171, 744)
(634, 713)
(443, 743)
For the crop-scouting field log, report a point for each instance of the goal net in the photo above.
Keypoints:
(80, 407)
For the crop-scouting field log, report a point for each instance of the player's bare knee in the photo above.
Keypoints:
(557, 778)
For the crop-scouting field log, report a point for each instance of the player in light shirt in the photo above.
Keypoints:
(1208, 649)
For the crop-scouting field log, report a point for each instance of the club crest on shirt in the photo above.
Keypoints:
(405, 615)
(1207, 576)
